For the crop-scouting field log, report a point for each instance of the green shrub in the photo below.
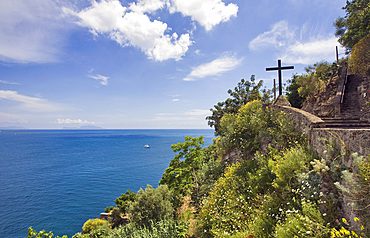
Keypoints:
(305, 223)
(123, 201)
(32, 233)
(151, 205)
(360, 57)
(159, 229)
(93, 224)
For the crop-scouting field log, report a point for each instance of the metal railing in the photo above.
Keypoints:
(344, 87)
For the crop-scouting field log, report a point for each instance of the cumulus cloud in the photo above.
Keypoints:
(208, 13)
(132, 27)
(147, 5)
(73, 121)
(103, 79)
(214, 68)
(31, 31)
(293, 49)
(28, 103)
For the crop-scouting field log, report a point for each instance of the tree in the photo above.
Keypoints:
(312, 82)
(244, 92)
(123, 201)
(293, 96)
(151, 205)
(180, 176)
(355, 25)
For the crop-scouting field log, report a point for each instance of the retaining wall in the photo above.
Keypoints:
(351, 140)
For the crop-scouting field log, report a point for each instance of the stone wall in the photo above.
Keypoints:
(364, 96)
(351, 140)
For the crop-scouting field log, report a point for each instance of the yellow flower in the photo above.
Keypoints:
(362, 227)
(345, 221)
(356, 219)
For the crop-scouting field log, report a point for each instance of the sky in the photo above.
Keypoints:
(148, 64)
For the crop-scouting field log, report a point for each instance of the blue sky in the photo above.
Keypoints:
(121, 64)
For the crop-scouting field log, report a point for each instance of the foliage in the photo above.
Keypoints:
(123, 201)
(244, 92)
(345, 230)
(293, 96)
(354, 187)
(151, 205)
(309, 84)
(305, 223)
(225, 210)
(92, 225)
(211, 169)
(257, 196)
(32, 233)
(356, 23)
(360, 57)
(180, 176)
(159, 229)
(255, 127)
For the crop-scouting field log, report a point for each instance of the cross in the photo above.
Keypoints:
(279, 69)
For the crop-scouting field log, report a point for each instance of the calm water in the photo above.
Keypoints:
(57, 179)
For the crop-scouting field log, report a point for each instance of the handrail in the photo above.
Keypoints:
(344, 87)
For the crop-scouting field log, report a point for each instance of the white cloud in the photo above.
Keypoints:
(7, 82)
(198, 112)
(280, 35)
(293, 49)
(31, 31)
(147, 5)
(208, 13)
(73, 121)
(28, 103)
(311, 52)
(103, 79)
(134, 28)
(214, 68)
(175, 100)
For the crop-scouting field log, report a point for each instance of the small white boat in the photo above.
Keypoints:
(146, 146)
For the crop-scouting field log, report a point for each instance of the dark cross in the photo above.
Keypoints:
(279, 69)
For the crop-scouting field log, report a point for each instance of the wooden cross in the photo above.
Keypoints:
(279, 69)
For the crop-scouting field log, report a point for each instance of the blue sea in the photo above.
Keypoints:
(57, 179)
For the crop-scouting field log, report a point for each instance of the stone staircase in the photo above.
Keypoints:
(350, 109)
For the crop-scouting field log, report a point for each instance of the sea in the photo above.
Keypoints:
(55, 180)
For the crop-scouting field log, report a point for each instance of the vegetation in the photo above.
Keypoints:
(244, 92)
(360, 57)
(32, 233)
(355, 24)
(308, 85)
(151, 205)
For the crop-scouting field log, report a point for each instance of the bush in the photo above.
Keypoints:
(360, 57)
(159, 229)
(151, 205)
(307, 223)
(93, 224)
(32, 233)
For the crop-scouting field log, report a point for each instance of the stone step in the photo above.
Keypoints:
(344, 126)
(343, 120)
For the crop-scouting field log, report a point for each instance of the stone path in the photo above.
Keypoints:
(350, 109)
